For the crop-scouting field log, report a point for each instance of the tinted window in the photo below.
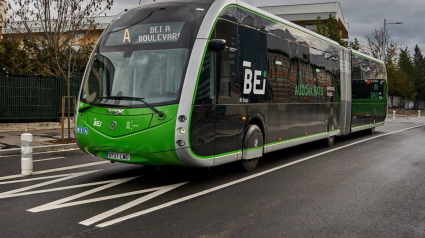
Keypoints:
(253, 65)
(226, 67)
(230, 14)
(205, 90)
(368, 78)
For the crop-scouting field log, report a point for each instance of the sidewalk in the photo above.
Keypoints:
(43, 140)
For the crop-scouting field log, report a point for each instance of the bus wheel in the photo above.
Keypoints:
(330, 141)
(249, 164)
(252, 147)
(372, 131)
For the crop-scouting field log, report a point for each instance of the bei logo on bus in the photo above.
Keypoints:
(252, 80)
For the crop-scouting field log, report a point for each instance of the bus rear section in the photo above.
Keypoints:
(369, 93)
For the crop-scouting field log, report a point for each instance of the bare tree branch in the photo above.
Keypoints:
(373, 47)
(53, 26)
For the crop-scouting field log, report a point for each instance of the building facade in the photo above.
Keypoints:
(81, 38)
(3, 7)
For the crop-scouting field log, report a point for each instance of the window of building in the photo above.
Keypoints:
(310, 26)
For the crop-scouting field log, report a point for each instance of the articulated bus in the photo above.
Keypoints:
(203, 83)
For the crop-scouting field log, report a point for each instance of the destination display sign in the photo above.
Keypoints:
(145, 33)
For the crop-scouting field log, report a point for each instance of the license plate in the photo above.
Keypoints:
(116, 155)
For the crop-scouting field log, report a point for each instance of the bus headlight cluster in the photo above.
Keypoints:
(181, 130)
(182, 118)
(181, 143)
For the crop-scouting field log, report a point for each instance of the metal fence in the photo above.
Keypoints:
(33, 97)
(400, 102)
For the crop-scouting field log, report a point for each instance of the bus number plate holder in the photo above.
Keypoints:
(116, 155)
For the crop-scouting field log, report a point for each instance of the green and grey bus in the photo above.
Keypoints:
(204, 83)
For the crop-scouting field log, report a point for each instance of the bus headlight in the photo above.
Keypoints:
(182, 118)
(181, 130)
(180, 143)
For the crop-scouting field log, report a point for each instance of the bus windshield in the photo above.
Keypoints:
(143, 54)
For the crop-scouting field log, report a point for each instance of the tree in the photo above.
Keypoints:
(407, 75)
(329, 29)
(419, 65)
(393, 76)
(15, 57)
(375, 42)
(354, 44)
(54, 27)
(406, 86)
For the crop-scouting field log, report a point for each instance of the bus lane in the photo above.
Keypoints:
(100, 194)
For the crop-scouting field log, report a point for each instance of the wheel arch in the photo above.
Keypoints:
(259, 121)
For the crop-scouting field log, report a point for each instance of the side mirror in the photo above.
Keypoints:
(217, 45)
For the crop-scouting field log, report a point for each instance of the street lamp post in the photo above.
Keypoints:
(384, 37)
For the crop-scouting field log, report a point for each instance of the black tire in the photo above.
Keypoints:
(249, 164)
(372, 131)
(330, 141)
(253, 138)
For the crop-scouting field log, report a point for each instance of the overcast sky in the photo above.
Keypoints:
(363, 16)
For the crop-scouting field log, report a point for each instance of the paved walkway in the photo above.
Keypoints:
(12, 140)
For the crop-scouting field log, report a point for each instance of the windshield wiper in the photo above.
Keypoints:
(160, 114)
(85, 108)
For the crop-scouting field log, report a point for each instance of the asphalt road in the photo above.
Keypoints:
(363, 186)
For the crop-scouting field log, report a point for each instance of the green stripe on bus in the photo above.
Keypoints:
(371, 124)
(302, 137)
(213, 156)
(256, 148)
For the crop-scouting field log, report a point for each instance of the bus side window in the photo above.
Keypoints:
(365, 90)
(275, 71)
(253, 65)
(205, 89)
(226, 62)
(356, 90)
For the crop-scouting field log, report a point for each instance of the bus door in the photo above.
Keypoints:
(227, 115)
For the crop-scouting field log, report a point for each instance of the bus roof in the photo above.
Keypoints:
(367, 56)
(283, 21)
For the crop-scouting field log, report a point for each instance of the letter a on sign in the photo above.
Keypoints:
(126, 36)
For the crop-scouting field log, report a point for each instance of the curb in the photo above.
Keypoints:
(37, 149)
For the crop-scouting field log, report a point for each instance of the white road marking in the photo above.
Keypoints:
(41, 160)
(34, 179)
(168, 204)
(56, 151)
(131, 204)
(63, 202)
(17, 192)
(55, 170)
(39, 153)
